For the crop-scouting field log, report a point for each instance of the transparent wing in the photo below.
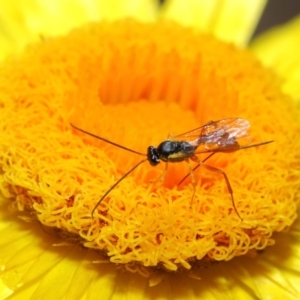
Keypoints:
(220, 136)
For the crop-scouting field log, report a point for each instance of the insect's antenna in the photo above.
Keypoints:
(255, 145)
(115, 184)
(107, 141)
(195, 168)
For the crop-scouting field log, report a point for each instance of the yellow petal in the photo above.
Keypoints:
(279, 49)
(27, 21)
(4, 290)
(230, 20)
(143, 10)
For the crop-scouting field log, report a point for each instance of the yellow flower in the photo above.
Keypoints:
(57, 82)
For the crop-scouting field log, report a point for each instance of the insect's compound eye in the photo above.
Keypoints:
(153, 156)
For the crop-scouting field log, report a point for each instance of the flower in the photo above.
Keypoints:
(76, 79)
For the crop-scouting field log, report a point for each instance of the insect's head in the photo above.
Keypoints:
(153, 156)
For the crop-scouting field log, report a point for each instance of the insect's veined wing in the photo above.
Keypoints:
(216, 131)
(223, 135)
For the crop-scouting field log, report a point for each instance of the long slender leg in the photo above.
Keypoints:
(216, 170)
(195, 168)
(192, 178)
(163, 175)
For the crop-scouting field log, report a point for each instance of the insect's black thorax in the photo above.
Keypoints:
(172, 151)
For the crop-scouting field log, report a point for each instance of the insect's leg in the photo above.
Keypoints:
(191, 172)
(195, 168)
(163, 175)
(192, 178)
(216, 170)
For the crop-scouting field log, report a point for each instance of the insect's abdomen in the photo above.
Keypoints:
(173, 151)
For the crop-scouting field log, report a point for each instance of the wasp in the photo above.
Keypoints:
(225, 135)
